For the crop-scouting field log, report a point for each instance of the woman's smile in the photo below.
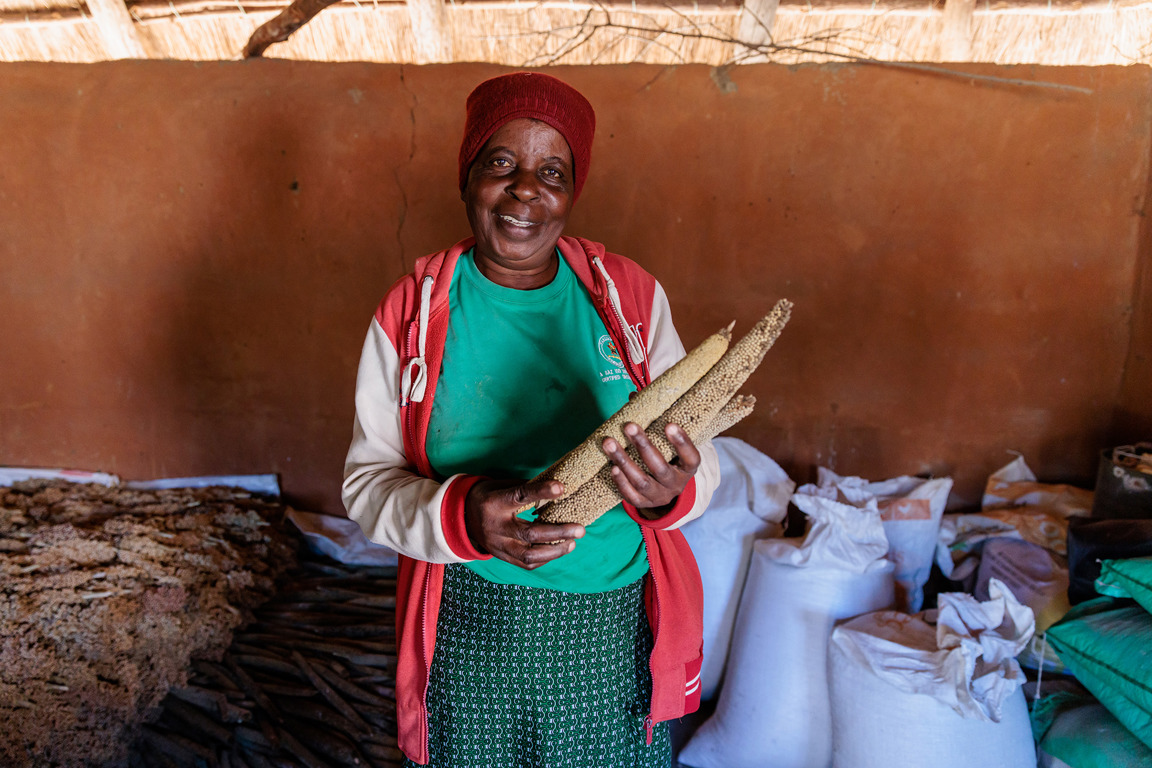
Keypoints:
(515, 221)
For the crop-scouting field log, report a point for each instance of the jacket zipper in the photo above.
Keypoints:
(424, 649)
(410, 425)
(649, 723)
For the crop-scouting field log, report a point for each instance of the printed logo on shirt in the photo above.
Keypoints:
(608, 351)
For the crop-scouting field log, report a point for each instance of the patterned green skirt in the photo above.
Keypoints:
(533, 678)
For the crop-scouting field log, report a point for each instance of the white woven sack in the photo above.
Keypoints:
(876, 724)
(911, 509)
(773, 709)
(749, 504)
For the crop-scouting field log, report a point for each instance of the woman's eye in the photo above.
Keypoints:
(501, 162)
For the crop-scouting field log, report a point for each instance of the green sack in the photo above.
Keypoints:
(1079, 731)
(1127, 578)
(1107, 645)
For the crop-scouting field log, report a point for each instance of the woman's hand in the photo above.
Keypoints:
(656, 485)
(490, 516)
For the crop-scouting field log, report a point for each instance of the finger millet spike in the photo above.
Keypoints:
(583, 462)
(697, 411)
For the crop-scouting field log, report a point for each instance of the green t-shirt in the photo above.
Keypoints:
(526, 376)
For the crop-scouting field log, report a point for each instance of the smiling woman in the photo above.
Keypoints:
(518, 197)
(518, 646)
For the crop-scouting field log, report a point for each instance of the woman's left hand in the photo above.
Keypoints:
(656, 485)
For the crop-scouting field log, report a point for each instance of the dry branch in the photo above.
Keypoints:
(279, 28)
(849, 44)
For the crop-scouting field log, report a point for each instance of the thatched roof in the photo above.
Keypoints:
(519, 32)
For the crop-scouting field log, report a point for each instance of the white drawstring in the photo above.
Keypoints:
(635, 348)
(415, 377)
(1040, 666)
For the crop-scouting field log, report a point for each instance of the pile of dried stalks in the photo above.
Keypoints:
(106, 595)
(309, 685)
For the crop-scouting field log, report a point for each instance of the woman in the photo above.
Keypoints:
(523, 643)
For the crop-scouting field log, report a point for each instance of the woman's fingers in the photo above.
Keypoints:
(686, 451)
(546, 533)
(540, 543)
(534, 544)
(629, 492)
(658, 482)
(532, 556)
(491, 517)
(522, 495)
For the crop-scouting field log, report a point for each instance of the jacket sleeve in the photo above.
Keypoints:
(393, 504)
(664, 350)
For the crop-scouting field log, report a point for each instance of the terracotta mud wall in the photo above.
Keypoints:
(192, 253)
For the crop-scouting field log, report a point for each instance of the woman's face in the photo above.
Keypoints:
(518, 197)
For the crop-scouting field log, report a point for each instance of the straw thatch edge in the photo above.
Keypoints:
(542, 33)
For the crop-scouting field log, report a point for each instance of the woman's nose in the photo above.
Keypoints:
(523, 186)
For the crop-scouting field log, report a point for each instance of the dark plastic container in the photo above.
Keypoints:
(1122, 490)
(1090, 541)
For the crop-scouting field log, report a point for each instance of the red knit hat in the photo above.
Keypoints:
(534, 95)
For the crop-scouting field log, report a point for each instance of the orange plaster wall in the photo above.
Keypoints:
(192, 253)
(1133, 417)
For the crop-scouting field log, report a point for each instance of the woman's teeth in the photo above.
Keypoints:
(517, 222)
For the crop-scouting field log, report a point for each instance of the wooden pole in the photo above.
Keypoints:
(756, 19)
(429, 29)
(956, 30)
(116, 29)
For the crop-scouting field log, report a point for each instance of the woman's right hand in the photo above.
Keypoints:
(490, 516)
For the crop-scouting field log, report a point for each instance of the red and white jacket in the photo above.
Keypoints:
(391, 491)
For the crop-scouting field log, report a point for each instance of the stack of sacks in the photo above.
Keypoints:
(1020, 538)
(1016, 506)
(1074, 731)
(773, 709)
(1107, 644)
(749, 504)
(911, 509)
(905, 693)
